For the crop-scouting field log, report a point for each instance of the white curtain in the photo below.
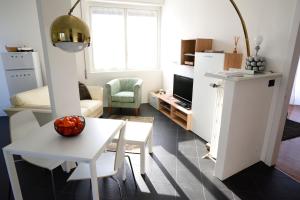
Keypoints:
(295, 96)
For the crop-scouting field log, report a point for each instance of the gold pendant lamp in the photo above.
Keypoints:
(70, 33)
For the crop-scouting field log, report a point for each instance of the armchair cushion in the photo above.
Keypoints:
(124, 97)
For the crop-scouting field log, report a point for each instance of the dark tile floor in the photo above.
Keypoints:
(175, 171)
(288, 159)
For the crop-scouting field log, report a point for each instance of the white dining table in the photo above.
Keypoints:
(44, 142)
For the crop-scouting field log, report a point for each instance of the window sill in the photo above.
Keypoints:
(124, 71)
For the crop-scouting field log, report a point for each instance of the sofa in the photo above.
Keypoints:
(38, 101)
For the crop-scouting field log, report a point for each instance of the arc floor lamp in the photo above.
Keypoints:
(243, 25)
(71, 34)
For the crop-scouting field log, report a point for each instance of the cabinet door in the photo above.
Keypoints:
(20, 80)
(204, 96)
(216, 124)
(18, 60)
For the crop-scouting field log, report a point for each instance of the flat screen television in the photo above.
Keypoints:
(183, 89)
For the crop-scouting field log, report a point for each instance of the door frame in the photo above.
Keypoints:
(276, 127)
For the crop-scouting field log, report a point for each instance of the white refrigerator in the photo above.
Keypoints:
(22, 70)
(206, 106)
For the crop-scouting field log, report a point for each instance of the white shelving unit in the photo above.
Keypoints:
(22, 70)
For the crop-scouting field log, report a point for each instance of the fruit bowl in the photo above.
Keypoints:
(69, 126)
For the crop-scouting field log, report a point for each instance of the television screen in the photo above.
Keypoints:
(183, 88)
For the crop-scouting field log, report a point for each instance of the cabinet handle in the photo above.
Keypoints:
(214, 85)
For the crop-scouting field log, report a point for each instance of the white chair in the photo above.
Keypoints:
(108, 164)
(21, 125)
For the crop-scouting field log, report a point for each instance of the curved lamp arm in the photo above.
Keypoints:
(244, 26)
(73, 7)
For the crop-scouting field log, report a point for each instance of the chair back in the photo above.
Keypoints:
(120, 151)
(21, 124)
(127, 84)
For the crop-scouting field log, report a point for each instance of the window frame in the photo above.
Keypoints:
(87, 8)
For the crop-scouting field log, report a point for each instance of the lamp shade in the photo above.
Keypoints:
(70, 33)
(258, 40)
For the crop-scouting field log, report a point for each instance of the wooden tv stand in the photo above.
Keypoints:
(167, 105)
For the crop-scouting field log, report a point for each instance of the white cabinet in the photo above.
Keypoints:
(235, 117)
(244, 121)
(16, 60)
(22, 70)
(204, 96)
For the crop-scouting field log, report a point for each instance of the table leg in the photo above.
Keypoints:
(13, 176)
(143, 159)
(94, 180)
(150, 140)
(68, 165)
(124, 171)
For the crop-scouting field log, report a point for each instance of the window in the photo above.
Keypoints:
(124, 38)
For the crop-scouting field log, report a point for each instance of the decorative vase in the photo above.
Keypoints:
(256, 63)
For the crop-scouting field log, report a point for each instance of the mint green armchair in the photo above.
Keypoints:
(124, 93)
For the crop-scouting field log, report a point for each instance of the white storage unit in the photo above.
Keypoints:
(244, 117)
(22, 70)
(153, 100)
(204, 96)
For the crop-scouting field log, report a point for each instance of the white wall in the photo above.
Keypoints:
(295, 96)
(277, 120)
(156, 2)
(4, 95)
(217, 20)
(19, 25)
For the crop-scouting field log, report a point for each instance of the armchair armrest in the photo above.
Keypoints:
(113, 87)
(138, 83)
(96, 92)
(137, 91)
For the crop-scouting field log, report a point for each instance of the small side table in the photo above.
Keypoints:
(140, 134)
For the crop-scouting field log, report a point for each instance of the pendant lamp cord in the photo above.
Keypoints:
(69, 13)
(71, 10)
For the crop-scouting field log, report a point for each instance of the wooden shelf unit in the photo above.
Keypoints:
(167, 105)
(189, 47)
